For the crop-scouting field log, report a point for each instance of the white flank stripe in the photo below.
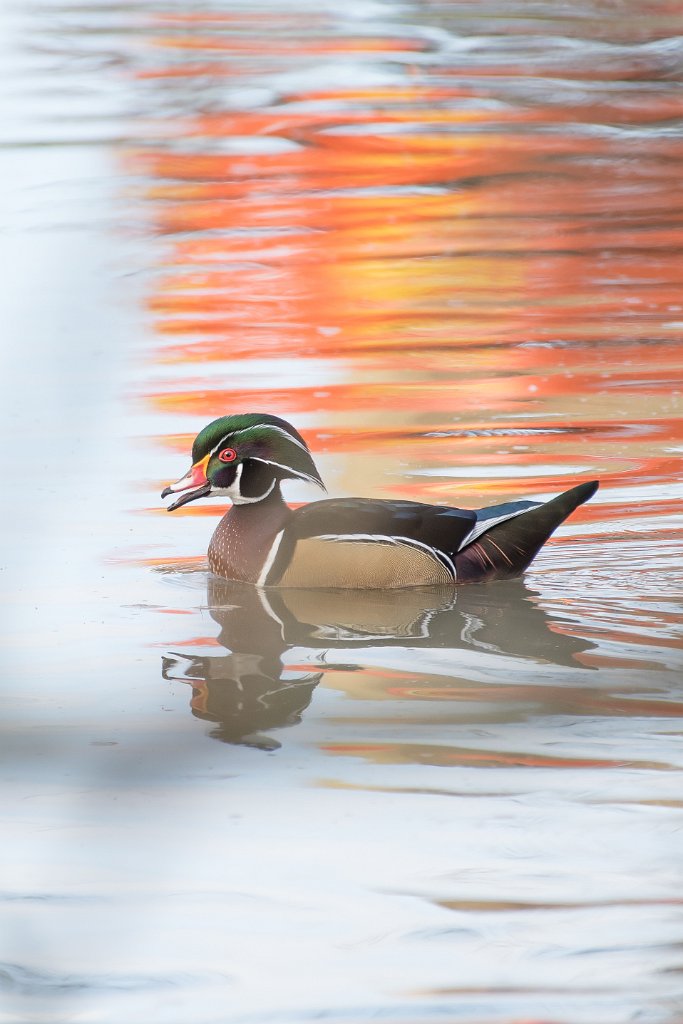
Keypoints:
(436, 553)
(270, 558)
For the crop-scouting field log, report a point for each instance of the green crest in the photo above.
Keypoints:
(263, 437)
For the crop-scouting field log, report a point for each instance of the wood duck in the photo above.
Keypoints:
(355, 543)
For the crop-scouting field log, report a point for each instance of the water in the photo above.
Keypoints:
(445, 241)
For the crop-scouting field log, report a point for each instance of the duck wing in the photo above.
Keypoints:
(506, 538)
(361, 543)
(358, 543)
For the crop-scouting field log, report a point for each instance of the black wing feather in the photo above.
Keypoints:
(436, 525)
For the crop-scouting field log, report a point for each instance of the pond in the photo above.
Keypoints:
(445, 241)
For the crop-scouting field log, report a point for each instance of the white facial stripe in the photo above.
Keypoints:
(242, 500)
(233, 491)
(288, 469)
(278, 430)
(220, 443)
(266, 426)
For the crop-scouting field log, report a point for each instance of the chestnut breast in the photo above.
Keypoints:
(243, 539)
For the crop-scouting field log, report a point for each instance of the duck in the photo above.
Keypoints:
(348, 543)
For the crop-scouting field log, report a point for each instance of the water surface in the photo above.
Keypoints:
(445, 241)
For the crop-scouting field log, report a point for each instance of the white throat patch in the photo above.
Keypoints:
(233, 491)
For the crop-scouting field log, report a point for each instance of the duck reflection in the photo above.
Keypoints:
(249, 689)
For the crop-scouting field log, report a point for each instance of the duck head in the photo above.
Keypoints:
(244, 457)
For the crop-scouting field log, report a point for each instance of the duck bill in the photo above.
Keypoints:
(193, 485)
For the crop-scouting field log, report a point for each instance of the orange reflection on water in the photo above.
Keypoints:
(456, 255)
(431, 754)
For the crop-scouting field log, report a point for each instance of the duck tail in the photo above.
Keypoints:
(505, 550)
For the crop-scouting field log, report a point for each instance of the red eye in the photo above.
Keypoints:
(227, 455)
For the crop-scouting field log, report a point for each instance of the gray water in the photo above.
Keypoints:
(445, 241)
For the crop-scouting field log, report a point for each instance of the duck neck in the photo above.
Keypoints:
(245, 535)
